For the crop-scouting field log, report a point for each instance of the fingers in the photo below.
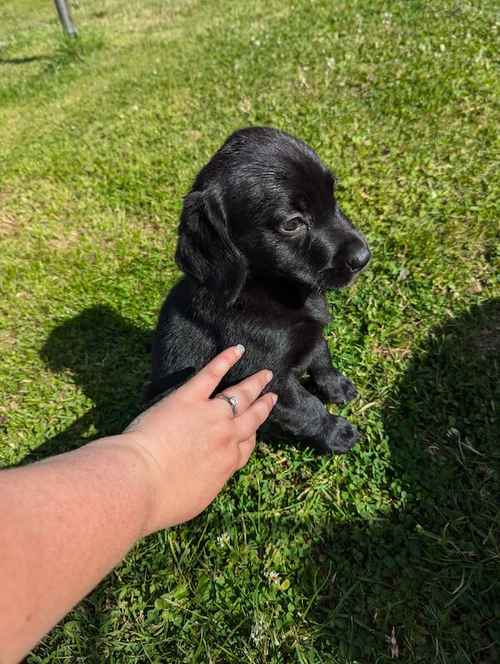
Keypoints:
(206, 380)
(246, 391)
(246, 448)
(248, 422)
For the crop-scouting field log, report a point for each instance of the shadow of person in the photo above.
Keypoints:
(422, 581)
(108, 358)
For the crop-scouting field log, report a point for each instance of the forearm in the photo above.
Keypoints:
(66, 522)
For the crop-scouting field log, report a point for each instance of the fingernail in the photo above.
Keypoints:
(274, 398)
(269, 375)
(240, 349)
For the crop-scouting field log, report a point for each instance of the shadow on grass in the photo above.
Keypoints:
(25, 60)
(423, 582)
(418, 584)
(109, 359)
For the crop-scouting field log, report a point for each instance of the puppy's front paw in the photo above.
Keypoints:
(342, 435)
(334, 387)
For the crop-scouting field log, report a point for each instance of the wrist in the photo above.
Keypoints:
(143, 473)
(154, 478)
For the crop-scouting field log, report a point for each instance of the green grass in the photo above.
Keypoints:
(390, 552)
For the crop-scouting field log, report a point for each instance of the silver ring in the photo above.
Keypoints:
(232, 401)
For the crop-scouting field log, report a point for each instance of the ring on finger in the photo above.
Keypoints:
(232, 401)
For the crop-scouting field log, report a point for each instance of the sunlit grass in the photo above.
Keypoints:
(390, 550)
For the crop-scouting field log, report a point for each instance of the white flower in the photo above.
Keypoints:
(273, 577)
(223, 540)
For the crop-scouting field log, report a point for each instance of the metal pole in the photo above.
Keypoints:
(65, 18)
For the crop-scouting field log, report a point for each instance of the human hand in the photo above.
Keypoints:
(192, 444)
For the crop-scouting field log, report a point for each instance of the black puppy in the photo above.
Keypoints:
(261, 239)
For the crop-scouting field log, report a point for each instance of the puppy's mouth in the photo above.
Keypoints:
(349, 261)
(337, 277)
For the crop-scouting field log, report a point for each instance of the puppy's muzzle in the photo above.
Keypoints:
(357, 255)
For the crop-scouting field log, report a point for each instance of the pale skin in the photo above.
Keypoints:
(68, 520)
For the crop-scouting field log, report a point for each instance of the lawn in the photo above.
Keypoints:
(391, 552)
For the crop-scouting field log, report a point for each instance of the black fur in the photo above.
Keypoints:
(261, 239)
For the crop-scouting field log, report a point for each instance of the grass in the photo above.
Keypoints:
(391, 552)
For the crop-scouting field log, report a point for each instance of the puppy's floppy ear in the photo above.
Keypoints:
(205, 250)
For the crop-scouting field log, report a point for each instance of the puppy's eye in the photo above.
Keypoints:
(293, 225)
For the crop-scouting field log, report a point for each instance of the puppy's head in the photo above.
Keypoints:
(264, 206)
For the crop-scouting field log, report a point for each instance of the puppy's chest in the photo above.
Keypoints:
(304, 337)
(290, 334)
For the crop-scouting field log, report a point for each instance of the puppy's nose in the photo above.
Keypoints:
(358, 256)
